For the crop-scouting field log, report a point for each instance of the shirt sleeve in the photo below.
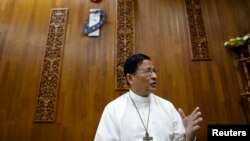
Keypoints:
(179, 129)
(107, 129)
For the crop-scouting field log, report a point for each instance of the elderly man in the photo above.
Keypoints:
(140, 115)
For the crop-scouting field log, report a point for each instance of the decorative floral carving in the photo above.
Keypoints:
(125, 39)
(49, 84)
(199, 49)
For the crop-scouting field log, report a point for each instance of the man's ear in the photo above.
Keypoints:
(129, 78)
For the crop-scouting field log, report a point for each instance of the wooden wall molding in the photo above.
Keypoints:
(125, 44)
(50, 77)
(199, 47)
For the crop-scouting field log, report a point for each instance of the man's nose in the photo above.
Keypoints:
(153, 75)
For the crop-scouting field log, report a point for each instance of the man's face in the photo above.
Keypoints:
(143, 81)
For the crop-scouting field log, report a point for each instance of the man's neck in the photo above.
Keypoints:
(140, 93)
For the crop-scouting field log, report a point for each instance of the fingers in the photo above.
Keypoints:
(195, 128)
(197, 115)
(182, 114)
(197, 121)
(195, 111)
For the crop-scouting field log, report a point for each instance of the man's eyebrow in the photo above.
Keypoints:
(149, 68)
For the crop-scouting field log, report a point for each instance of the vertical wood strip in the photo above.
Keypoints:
(125, 39)
(3, 5)
(50, 77)
(199, 49)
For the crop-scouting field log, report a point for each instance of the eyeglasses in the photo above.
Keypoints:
(149, 71)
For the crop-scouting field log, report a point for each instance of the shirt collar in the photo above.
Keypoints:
(138, 98)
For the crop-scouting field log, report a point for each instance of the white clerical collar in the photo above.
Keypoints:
(138, 98)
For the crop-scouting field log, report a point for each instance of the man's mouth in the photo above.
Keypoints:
(153, 84)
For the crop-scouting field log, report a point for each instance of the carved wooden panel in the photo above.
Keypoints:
(199, 49)
(50, 77)
(125, 39)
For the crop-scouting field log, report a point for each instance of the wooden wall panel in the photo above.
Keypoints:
(87, 77)
(213, 85)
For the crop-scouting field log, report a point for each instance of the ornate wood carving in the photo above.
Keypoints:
(244, 51)
(199, 49)
(125, 39)
(49, 83)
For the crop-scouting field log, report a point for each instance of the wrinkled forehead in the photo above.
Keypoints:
(145, 64)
